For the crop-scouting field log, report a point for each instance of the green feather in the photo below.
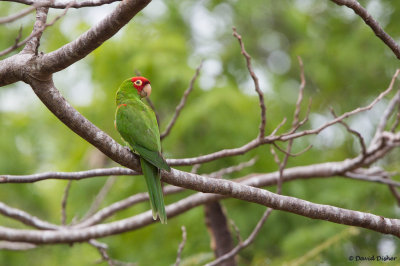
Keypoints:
(151, 174)
(137, 124)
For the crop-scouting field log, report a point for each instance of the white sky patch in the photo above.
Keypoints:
(23, 145)
(76, 83)
(273, 41)
(211, 69)
(207, 26)
(279, 62)
(310, 6)
(345, 13)
(18, 98)
(155, 10)
(386, 246)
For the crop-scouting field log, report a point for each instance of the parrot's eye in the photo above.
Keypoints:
(138, 82)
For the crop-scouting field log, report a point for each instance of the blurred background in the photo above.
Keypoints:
(346, 66)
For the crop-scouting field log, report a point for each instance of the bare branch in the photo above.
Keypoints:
(354, 132)
(244, 244)
(32, 45)
(256, 84)
(102, 248)
(181, 103)
(16, 16)
(372, 23)
(121, 205)
(386, 115)
(56, 103)
(100, 197)
(63, 5)
(93, 38)
(33, 40)
(66, 175)
(25, 217)
(64, 203)
(181, 246)
(7, 245)
(232, 169)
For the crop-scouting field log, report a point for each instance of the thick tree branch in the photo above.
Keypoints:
(92, 39)
(207, 185)
(32, 45)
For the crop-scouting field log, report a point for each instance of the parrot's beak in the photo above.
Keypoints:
(146, 91)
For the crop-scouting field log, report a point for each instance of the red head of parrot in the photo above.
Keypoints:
(142, 85)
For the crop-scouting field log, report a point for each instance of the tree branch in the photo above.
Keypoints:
(66, 175)
(91, 39)
(62, 5)
(372, 23)
(181, 103)
(16, 16)
(256, 84)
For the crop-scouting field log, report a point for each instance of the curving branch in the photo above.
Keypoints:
(57, 104)
(18, 15)
(256, 84)
(91, 39)
(181, 103)
(372, 23)
(283, 137)
(25, 218)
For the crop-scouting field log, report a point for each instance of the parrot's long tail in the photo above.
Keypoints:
(152, 176)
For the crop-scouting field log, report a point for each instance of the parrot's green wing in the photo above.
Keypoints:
(137, 124)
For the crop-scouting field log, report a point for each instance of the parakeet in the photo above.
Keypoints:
(137, 125)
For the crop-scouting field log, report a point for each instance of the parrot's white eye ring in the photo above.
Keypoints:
(138, 82)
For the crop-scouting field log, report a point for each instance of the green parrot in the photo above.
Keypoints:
(137, 124)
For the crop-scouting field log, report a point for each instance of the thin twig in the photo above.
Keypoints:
(293, 154)
(100, 197)
(256, 84)
(18, 15)
(181, 246)
(354, 132)
(182, 103)
(102, 248)
(64, 203)
(25, 217)
(66, 175)
(63, 5)
(39, 27)
(7, 245)
(244, 244)
(283, 137)
(231, 169)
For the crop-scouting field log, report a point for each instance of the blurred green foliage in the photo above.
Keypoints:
(345, 65)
